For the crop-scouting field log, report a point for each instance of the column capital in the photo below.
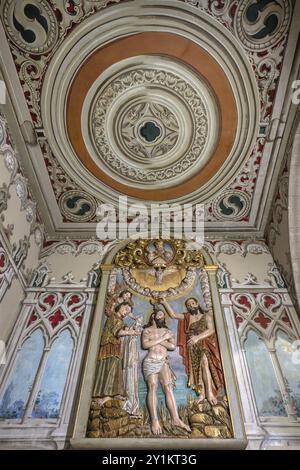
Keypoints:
(211, 268)
(106, 267)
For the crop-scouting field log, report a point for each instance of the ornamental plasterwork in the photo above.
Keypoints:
(281, 200)
(243, 248)
(54, 111)
(180, 112)
(249, 281)
(75, 205)
(33, 52)
(186, 283)
(277, 233)
(147, 267)
(165, 130)
(4, 196)
(42, 35)
(17, 180)
(264, 313)
(7, 272)
(250, 23)
(232, 14)
(152, 253)
(60, 181)
(70, 247)
(214, 248)
(264, 48)
(232, 204)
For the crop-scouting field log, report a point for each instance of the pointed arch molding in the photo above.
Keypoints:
(53, 308)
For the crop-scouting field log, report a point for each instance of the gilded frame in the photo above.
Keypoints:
(79, 439)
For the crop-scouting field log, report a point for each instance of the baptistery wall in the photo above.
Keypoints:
(168, 102)
(65, 299)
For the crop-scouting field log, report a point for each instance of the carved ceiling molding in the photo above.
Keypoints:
(242, 247)
(76, 248)
(35, 44)
(89, 38)
(149, 91)
(259, 26)
(264, 47)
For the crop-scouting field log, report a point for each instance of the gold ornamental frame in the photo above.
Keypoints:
(119, 256)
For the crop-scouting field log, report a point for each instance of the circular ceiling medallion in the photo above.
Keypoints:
(144, 128)
(31, 25)
(162, 108)
(153, 124)
(232, 203)
(260, 25)
(77, 206)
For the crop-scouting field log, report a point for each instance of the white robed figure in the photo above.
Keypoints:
(131, 371)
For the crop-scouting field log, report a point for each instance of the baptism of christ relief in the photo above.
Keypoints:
(159, 371)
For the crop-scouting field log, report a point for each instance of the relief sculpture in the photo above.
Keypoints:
(159, 371)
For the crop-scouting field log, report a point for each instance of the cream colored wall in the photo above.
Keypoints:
(78, 265)
(240, 266)
(15, 217)
(32, 258)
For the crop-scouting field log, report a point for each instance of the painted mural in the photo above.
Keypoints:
(15, 401)
(34, 386)
(159, 371)
(266, 389)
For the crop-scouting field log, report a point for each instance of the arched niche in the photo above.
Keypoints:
(175, 271)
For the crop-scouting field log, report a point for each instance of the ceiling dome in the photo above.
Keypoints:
(163, 109)
(150, 121)
(171, 101)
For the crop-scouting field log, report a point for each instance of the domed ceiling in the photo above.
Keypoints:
(163, 101)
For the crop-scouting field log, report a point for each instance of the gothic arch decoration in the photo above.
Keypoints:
(263, 312)
(145, 280)
(266, 327)
(53, 314)
(44, 357)
(266, 316)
